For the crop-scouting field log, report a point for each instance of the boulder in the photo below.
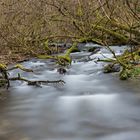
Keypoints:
(112, 68)
(61, 70)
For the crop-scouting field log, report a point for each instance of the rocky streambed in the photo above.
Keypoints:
(91, 104)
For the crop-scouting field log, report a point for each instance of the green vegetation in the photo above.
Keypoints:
(27, 28)
(62, 60)
(129, 63)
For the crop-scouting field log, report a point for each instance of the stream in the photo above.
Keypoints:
(90, 106)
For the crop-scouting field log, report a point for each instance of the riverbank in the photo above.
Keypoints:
(13, 58)
(14, 55)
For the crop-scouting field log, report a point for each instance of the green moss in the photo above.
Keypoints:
(125, 74)
(135, 72)
(117, 35)
(46, 46)
(64, 60)
(45, 57)
(3, 66)
(19, 66)
(73, 47)
(130, 73)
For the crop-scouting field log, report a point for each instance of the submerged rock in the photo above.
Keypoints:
(61, 70)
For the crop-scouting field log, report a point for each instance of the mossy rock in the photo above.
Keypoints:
(125, 74)
(64, 60)
(130, 73)
(112, 68)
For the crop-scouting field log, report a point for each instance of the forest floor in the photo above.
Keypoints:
(17, 55)
(11, 56)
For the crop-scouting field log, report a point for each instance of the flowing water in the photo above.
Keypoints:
(90, 106)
